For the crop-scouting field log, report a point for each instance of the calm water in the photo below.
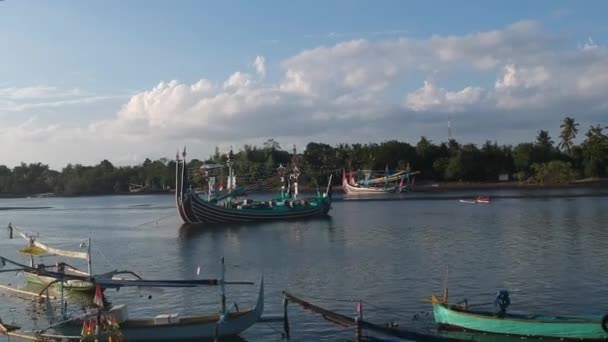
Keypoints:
(552, 254)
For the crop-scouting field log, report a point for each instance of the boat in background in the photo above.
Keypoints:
(478, 199)
(482, 199)
(231, 205)
(400, 181)
(462, 317)
(352, 188)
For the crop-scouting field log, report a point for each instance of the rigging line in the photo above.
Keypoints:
(105, 257)
(136, 226)
(275, 329)
(154, 221)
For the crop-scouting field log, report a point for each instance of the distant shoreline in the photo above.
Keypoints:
(422, 187)
(457, 186)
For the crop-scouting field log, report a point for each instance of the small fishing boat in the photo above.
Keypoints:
(172, 326)
(389, 329)
(37, 248)
(229, 321)
(463, 318)
(478, 199)
(482, 199)
(400, 181)
(233, 206)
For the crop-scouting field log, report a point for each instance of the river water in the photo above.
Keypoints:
(551, 254)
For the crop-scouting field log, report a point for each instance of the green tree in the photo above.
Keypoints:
(555, 171)
(568, 134)
(595, 152)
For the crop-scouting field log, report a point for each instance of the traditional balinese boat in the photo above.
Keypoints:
(211, 208)
(380, 185)
(390, 329)
(461, 317)
(229, 321)
(37, 248)
(351, 187)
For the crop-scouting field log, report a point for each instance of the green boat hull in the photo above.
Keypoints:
(71, 285)
(453, 318)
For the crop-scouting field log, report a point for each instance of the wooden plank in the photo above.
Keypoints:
(34, 294)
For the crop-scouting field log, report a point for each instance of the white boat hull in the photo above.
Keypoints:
(186, 328)
(354, 190)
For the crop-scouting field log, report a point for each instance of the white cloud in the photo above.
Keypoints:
(28, 131)
(38, 92)
(260, 66)
(431, 97)
(237, 80)
(360, 90)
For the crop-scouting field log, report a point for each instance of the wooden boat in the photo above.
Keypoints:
(462, 318)
(478, 199)
(356, 189)
(358, 322)
(37, 248)
(195, 208)
(169, 327)
(379, 185)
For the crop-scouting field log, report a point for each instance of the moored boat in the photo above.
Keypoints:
(172, 327)
(229, 321)
(35, 248)
(231, 206)
(482, 199)
(463, 318)
(399, 181)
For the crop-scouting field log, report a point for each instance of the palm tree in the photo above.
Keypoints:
(569, 130)
(543, 139)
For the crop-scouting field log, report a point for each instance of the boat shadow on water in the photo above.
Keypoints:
(191, 230)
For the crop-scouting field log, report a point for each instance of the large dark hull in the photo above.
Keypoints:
(193, 209)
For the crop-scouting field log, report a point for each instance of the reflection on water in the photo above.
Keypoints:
(551, 254)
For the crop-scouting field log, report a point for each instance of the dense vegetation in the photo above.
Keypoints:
(542, 161)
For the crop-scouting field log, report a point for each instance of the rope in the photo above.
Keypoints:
(154, 221)
(276, 330)
(105, 257)
(136, 226)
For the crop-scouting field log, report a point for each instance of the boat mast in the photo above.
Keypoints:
(89, 257)
(281, 172)
(177, 181)
(231, 179)
(295, 172)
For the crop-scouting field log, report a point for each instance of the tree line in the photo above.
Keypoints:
(542, 160)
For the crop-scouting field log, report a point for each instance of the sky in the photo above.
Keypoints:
(83, 81)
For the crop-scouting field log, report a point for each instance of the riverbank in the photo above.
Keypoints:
(459, 186)
(422, 187)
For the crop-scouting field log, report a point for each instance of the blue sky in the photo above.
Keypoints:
(85, 77)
